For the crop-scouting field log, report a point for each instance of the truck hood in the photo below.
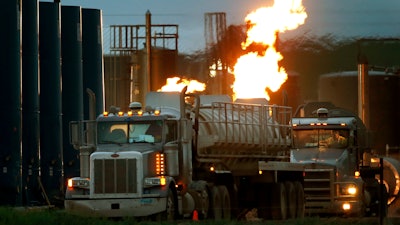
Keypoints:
(329, 156)
(137, 147)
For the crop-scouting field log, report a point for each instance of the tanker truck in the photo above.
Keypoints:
(342, 176)
(187, 156)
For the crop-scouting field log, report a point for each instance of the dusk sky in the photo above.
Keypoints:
(342, 18)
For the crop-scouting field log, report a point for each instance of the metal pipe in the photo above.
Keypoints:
(147, 80)
(363, 94)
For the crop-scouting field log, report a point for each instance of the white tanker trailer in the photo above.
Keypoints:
(187, 156)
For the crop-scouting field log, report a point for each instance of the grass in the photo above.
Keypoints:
(13, 216)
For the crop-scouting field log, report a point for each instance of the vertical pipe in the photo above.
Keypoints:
(147, 80)
(50, 100)
(382, 190)
(10, 107)
(93, 62)
(363, 94)
(30, 103)
(72, 83)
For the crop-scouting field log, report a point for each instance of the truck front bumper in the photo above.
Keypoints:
(116, 207)
(338, 207)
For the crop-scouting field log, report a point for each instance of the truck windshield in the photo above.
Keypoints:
(332, 138)
(129, 132)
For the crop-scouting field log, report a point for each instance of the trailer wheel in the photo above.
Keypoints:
(216, 203)
(291, 200)
(225, 202)
(300, 203)
(279, 206)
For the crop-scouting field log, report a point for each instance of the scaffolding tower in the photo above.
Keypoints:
(132, 67)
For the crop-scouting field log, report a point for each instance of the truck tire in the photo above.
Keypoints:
(279, 202)
(216, 204)
(291, 200)
(170, 213)
(300, 202)
(225, 202)
(201, 195)
(201, 201)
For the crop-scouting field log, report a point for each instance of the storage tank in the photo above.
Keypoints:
(341, 89)
(50, 100)
(163, 63)
(289, 94)
(92, 58)
(30, 105)
(117, 85)
(72, 82)
(124, 75)
(10, 107)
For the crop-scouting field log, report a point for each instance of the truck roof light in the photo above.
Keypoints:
(140, 113)
(130, 113)
(322, 112)
(120, 113)
(105, 113)
(157, 112)
(135, 106)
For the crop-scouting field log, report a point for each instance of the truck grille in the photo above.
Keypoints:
(115, 176)
(318, 189)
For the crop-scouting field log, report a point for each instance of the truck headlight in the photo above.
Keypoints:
(352, 190)
(155, 181)
(78, 182)
(349, 189)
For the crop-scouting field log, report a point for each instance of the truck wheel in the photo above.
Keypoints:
(225, 202)
(201, 195)
(279, 206)
(205, 202)
(300, 203)
(291, 200)
(170, 213)
(216, 203)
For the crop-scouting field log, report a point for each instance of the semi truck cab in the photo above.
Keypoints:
(331, 148)
(123, 169)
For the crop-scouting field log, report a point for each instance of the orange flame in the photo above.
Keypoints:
(257, 71)
(173, 85)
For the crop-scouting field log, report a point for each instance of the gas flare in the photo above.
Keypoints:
(177, 84)
(259, 70)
